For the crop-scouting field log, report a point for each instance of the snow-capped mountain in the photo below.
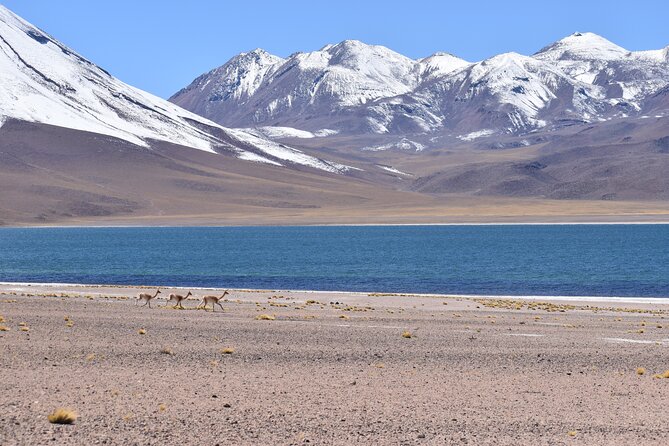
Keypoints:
(43, 81)
(509, 93)
(439, 64)
(333, 83)
(626, 78)
(239, 79)
(352, 88)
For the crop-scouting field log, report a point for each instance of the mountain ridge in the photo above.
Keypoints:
(379, 91)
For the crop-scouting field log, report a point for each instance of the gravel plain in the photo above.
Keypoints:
(329, 368)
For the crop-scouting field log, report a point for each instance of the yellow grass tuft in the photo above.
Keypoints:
(22, 324)
(640, 371)
(141, 331)
(63, 416)
(227, 350)
(70, 324)
(90, 357)
(665, 374)
(24, 328)
(161, 407)
(2, 319)
(3, 328)
(67, 318)
(265, 317)
(343, 316)
(571, 433)
(167, 351)
(407, 334)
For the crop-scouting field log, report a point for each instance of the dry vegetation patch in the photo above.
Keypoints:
(167, 351)
(62, 416)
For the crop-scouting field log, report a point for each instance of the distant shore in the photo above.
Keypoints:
(662, 221)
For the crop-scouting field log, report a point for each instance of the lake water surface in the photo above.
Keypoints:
(569, 260)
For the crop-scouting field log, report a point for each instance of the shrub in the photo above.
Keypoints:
(62, 416)
(167, 351)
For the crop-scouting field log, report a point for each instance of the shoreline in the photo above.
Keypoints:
(549, 298)
(345, 225)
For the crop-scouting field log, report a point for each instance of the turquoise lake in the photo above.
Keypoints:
(569, 260)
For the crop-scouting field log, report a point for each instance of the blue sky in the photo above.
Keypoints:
(161, 46)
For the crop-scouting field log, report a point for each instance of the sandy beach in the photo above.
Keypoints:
(289, 368)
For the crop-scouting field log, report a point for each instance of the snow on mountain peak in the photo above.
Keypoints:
(661, 56)
(43, 81)
(440, 64)
(582, 46)
(353, 87)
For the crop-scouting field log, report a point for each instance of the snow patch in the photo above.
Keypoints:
(285, 153)
(325, 132)
(402, 144)
(290, 132)
(477, 134)
(393, 170)
(250, 156)
(635, 341)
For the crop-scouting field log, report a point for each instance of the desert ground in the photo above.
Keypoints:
(289, 368)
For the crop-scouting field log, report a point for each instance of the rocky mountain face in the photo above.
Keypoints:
(356, 89)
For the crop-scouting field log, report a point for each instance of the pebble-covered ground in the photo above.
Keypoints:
(329, 369)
